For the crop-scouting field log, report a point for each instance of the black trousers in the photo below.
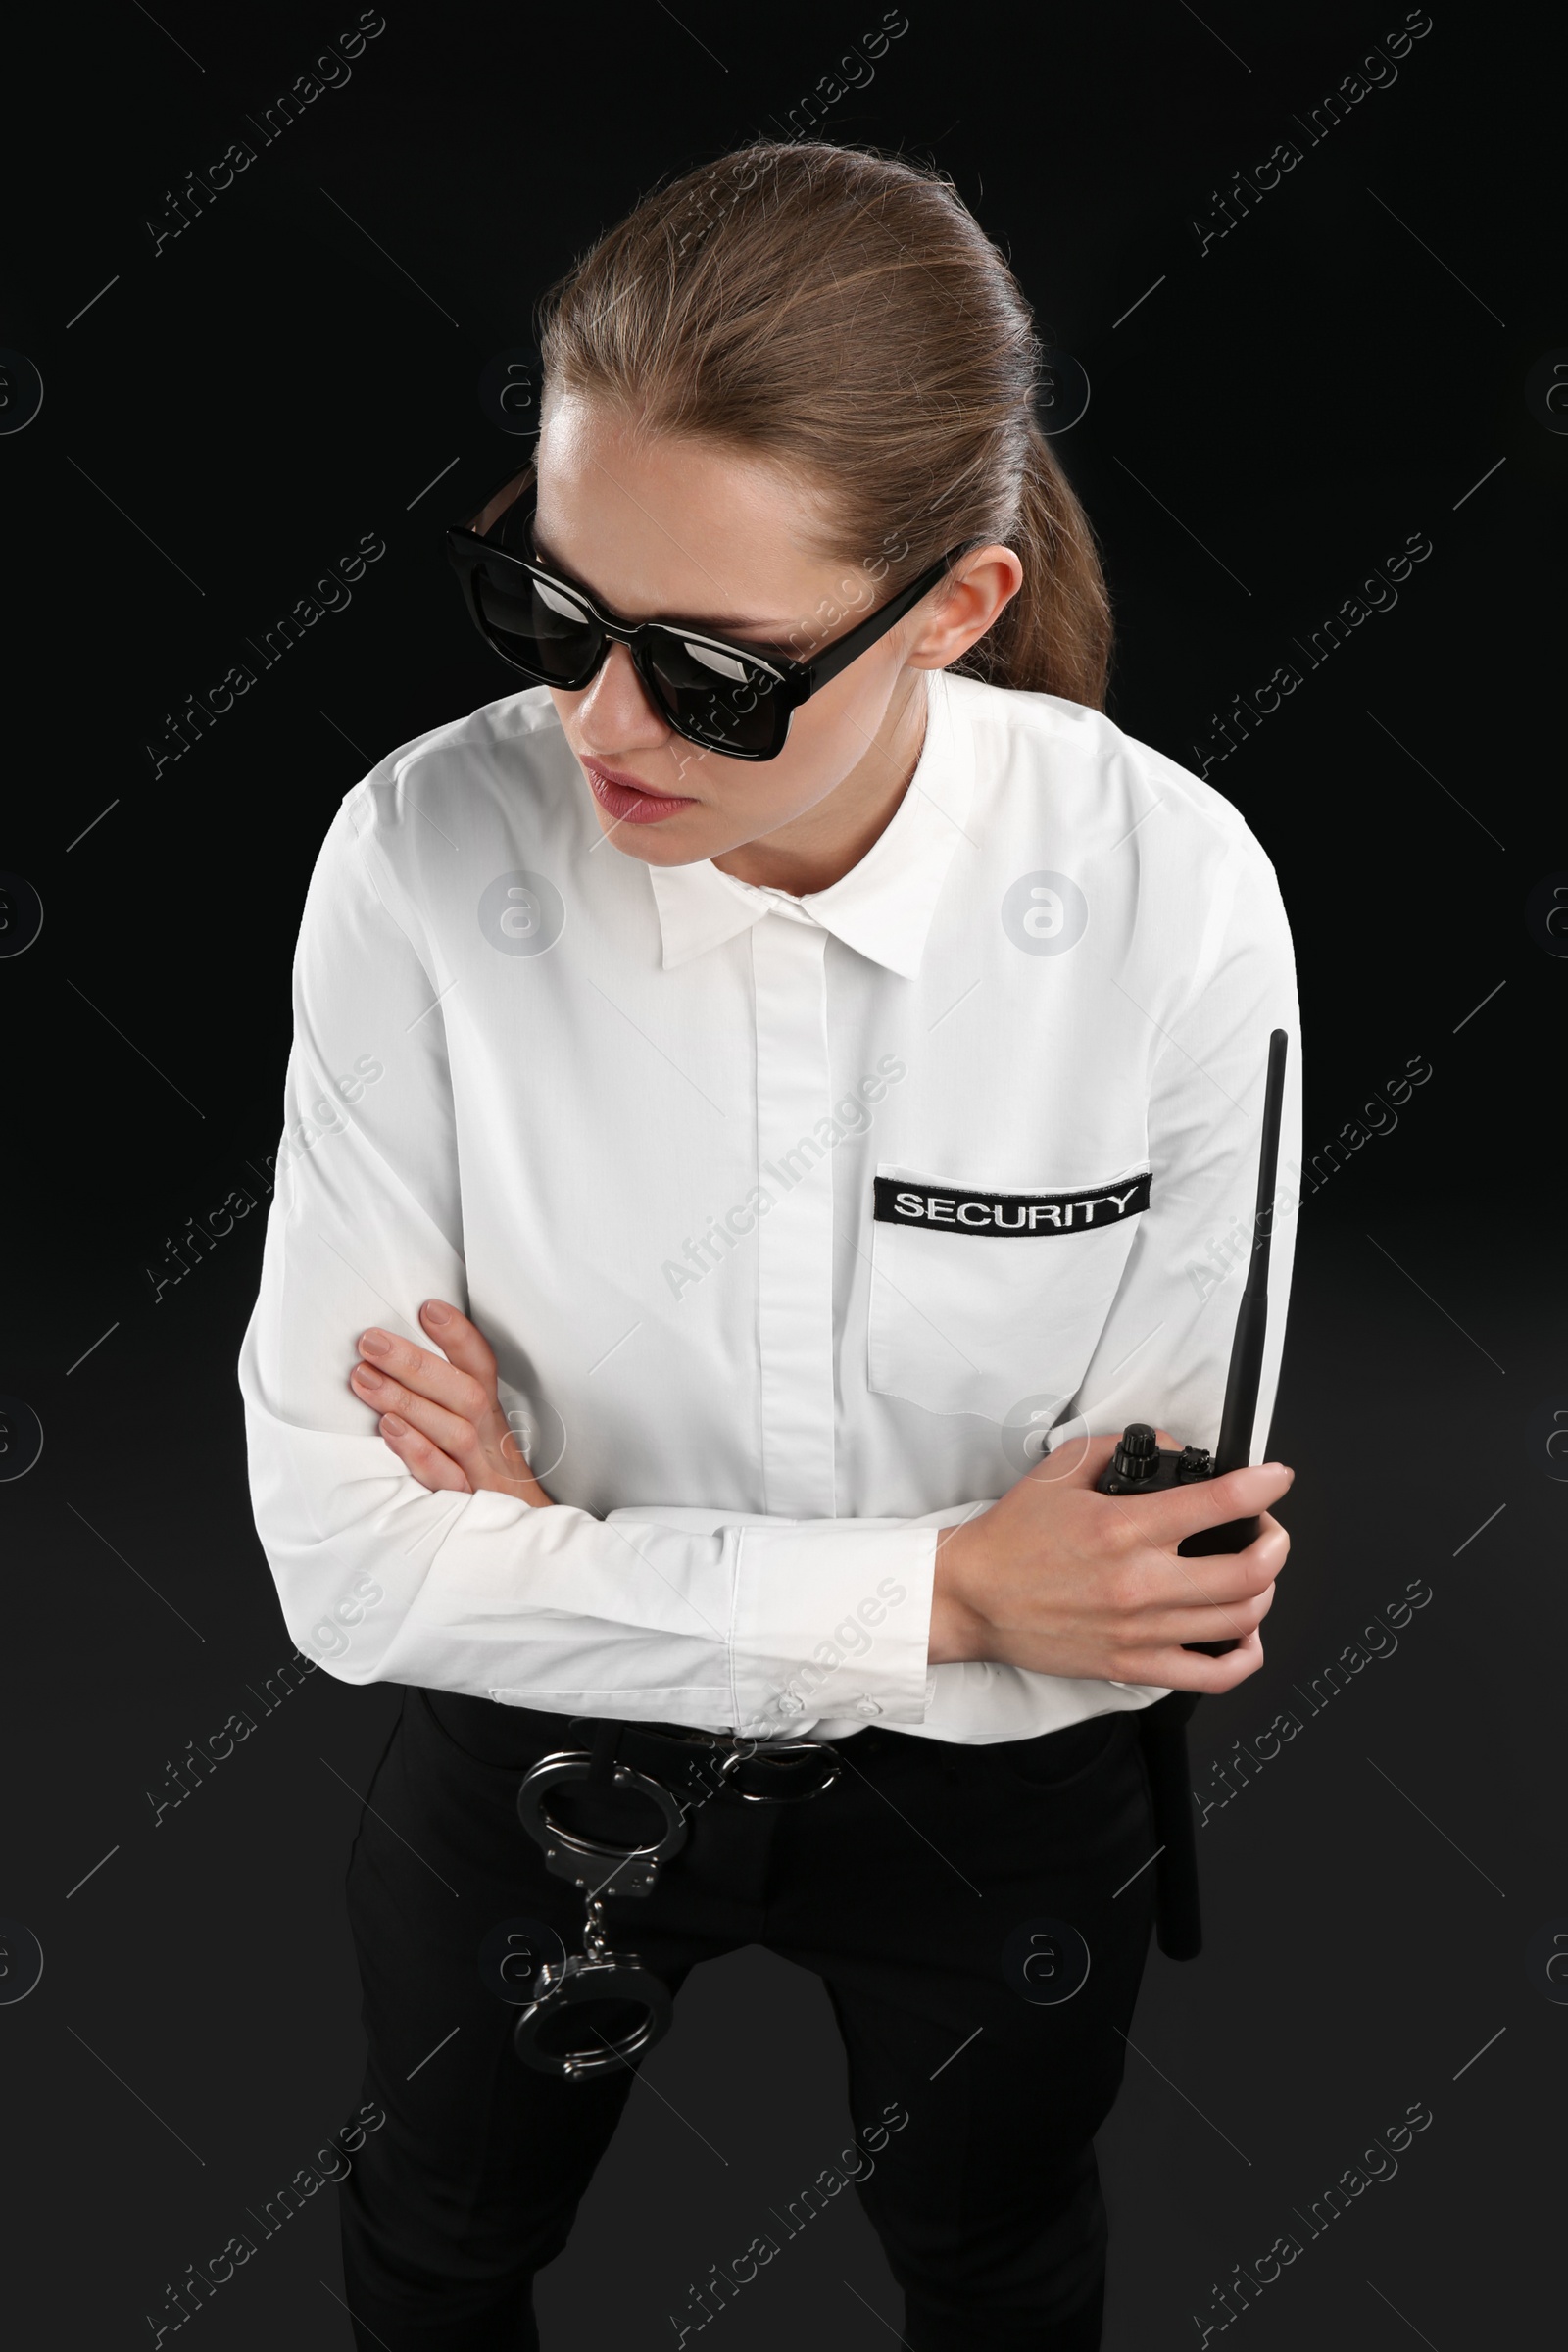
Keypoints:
(921, 1889)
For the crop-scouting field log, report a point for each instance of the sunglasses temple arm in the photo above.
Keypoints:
(821, 668)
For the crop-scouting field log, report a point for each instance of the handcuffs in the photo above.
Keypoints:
(557, 2030)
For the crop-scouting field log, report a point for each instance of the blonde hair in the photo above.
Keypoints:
(841, 312)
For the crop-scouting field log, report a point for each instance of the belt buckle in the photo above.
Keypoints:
(787, 1758)
(737, 1756)
(708, 1757)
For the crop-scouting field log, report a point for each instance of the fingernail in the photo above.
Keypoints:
(366, 1377)
(392, 1426)
(374, 1343)
(434, 1311)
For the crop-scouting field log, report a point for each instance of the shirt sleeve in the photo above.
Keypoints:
(1164, 1352)
(721, 1624)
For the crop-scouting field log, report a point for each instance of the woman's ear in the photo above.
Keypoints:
(978, 587)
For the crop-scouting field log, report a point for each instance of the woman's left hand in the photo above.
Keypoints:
(441, 1414)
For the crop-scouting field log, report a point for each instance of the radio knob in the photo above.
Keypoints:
(1138, 1454)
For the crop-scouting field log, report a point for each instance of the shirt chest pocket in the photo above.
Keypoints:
(982, 1300)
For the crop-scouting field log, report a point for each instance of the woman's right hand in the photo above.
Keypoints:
(1061, 1579)
(441, 1413)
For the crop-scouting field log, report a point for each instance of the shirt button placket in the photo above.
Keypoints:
(795, 1237)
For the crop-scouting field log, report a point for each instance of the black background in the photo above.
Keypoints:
(1348, 367)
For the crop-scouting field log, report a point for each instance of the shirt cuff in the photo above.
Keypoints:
(832, 1618)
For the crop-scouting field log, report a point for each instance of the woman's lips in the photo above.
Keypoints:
(627, 801)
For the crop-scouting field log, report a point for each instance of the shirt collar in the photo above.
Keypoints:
(882, 906)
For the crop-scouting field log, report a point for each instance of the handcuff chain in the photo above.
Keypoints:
(594, 1935)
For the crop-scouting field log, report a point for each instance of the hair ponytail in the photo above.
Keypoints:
(842, 313)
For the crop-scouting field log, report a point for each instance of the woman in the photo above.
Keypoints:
(679, 1041)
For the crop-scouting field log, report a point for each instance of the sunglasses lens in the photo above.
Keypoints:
(715, 699)
(543, 629)
(711, 694)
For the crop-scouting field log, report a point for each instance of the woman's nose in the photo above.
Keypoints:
(615, 714)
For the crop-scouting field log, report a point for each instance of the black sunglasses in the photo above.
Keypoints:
(728, 698)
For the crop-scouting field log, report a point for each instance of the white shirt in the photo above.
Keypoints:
(630, 1118)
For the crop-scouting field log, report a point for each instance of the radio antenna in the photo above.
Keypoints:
(1234, 1448)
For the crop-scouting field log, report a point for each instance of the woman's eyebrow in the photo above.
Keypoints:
(724, 627)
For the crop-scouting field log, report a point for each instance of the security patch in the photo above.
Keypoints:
(899, 1202)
